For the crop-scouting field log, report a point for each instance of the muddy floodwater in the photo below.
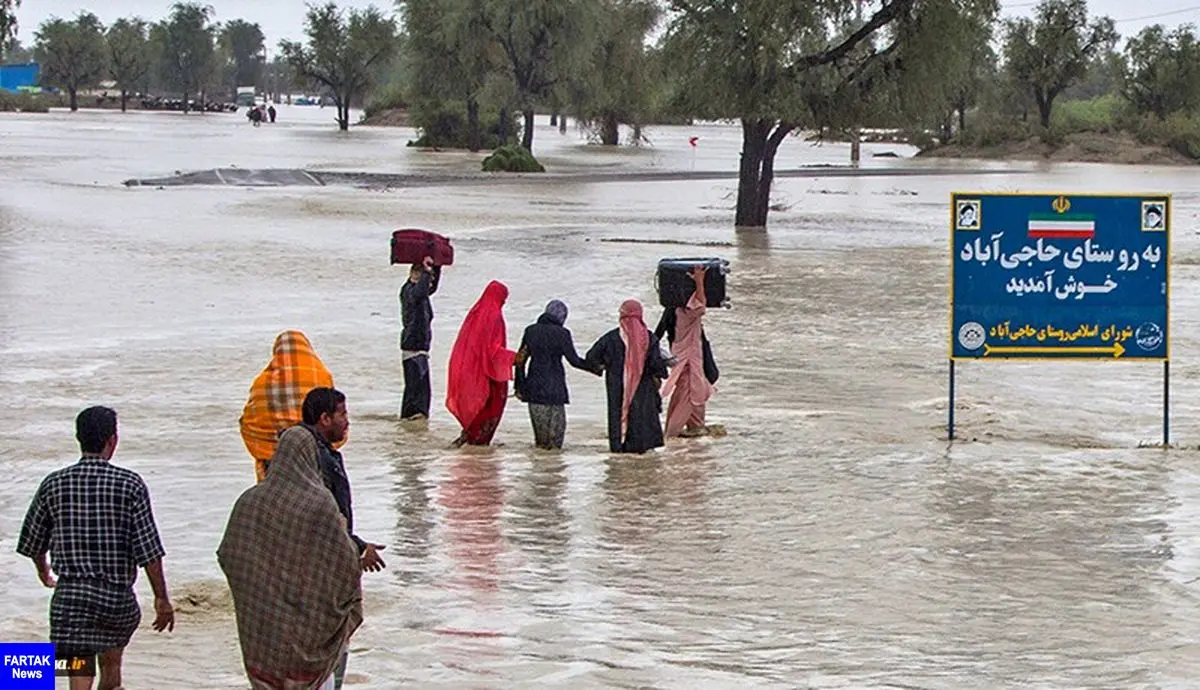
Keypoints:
(833, 539)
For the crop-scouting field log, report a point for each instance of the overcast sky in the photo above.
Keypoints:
(284, 18)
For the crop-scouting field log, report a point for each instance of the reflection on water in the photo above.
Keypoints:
(540, 523)
(473, 499)
(831, 540)
(416, 518)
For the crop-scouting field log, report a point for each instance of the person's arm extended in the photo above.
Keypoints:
(572, 355)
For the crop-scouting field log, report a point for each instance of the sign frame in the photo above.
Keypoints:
(966, 215)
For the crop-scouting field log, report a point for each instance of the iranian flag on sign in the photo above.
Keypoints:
(1060, 226)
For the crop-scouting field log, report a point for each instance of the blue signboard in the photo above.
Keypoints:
(18, 77)
(1059, 276)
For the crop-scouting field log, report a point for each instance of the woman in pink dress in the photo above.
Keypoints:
(687, 385)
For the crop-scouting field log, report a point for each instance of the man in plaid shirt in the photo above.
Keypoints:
(94, 520)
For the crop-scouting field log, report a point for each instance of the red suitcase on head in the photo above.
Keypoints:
(411, 246)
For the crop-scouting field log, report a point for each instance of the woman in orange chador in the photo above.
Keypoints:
(277, 395)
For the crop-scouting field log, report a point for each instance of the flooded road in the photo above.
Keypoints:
(832, 540)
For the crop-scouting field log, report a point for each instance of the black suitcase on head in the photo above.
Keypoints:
(675, 285)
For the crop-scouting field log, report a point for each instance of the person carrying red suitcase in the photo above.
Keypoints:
(416, 337)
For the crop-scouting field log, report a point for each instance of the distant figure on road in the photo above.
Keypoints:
(271, 113)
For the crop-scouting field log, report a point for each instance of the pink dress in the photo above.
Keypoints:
(687, 386)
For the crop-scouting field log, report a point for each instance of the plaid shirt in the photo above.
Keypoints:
(95, 520)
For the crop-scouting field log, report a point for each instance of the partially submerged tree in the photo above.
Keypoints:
(616, 89)
(185, 44)
(342, 52)
(449, 56)
(779, 66)
(242, 45)
(71, 54)
(542, 41)
(1047, 54)
(943, 65)
(129, 56)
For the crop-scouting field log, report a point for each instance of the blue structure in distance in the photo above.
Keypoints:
(1060, 276)
(15, 78)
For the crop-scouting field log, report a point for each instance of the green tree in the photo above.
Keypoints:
(943, 80)
(129, 56)
(15, 53)
(1047, 54)
(779, 66)
(542, 43)
(279, 78)
(71, 53)
(8, 24)
(448, 56)
(1105, 75)
(342, 52)
(185, 45)
(243, 44)
(616, 89)
(1163, 73)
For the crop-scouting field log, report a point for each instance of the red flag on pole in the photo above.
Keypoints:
(692, 141)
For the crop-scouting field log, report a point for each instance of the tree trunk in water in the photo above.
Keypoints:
(754, 145)
(757, 170)
(74, 94)
(610, 132)
(343, 113)
(553, 119)
(527, 132)
(124, 100)
(505, 123)
(474, 135)
(186, 98)
(562, 125)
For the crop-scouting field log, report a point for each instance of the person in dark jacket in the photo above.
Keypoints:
(633, 367)
(544, 388)
(416, 335)
(325, 415)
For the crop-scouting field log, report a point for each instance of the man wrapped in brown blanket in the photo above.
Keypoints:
(293, 571)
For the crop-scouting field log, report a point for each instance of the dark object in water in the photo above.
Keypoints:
(675, 285)
(411, 246)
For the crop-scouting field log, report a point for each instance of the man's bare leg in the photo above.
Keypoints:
(81, 683)
(110, 668)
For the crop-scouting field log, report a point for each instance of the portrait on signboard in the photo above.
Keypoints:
(1154, 216)
(966, 214)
